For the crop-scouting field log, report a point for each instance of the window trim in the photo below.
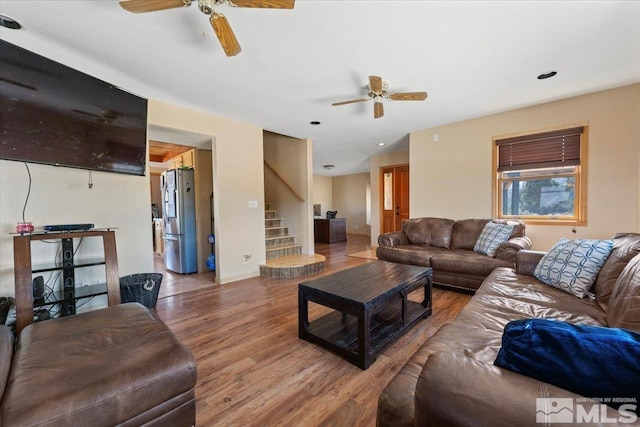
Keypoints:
(580, 182)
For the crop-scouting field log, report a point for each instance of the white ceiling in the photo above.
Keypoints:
(472, 57)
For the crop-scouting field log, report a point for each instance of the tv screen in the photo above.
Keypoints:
(53, 114)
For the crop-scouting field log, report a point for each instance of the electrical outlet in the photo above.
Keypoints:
(246, 258)
(436, 138)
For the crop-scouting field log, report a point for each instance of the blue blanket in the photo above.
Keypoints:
(593, 361)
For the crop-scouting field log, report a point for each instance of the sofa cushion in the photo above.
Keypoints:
(518, 226)
(625, 247)
(455, 390)
(466, 232)
(592, 361)
(409, 254)
(396, 405)
(505, 296)
(464, 261)
(429, 231)
(572, 265)
(624, 304)
(492, 236)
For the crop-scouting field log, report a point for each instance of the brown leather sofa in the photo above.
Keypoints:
(120, 365)
(451, 380)
(447, 246)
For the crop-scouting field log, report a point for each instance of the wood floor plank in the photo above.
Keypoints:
(253, 370)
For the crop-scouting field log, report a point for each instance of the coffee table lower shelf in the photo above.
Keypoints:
(340, 331)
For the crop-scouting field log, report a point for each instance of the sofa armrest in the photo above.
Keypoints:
(508, 250)
(455, 390)
(527, 261)
(395, 238)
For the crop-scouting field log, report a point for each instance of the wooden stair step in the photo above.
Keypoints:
(293, 266)
(279, 241)
(284, 236)
(282, 251)
(275, 248)
(276, 231)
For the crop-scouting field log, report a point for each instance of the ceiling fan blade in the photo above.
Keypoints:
(225, 34)
(375, 83)
(408, 96)
(275, 4)
(350, 101)
(378, 110)
(141, 6)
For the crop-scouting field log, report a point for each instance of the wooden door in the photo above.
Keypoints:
(394, 194)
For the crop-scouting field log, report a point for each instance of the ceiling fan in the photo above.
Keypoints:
(218, 21)
(378, 90)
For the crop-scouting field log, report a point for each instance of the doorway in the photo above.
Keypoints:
(394, 188)
(172, 149)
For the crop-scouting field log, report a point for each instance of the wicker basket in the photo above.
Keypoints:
(142, 288)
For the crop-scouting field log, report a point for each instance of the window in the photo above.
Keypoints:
(388, 191)
(541, 177)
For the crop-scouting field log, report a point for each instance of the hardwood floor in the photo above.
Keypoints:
(253, 370)
(175, 283)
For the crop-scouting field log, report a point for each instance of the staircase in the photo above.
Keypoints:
(284, 256)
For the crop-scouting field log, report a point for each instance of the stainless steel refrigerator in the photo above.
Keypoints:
(178, 197)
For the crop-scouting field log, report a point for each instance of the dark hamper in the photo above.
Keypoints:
(142, 288)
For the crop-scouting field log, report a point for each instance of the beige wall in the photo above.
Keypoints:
(237, 179)
(349, 199)
(323, 193)
(202, 161)
(61, 196)
(292, 159)
(455, 172)
(377, 162)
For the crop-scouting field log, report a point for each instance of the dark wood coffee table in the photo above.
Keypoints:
(370, 307)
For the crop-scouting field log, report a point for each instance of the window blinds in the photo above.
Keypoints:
(541, 150)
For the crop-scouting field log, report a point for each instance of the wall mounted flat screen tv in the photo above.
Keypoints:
(55, 115)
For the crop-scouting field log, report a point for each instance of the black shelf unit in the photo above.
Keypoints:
(69, 294)
(80, 292)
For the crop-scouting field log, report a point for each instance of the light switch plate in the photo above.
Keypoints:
(253, 204)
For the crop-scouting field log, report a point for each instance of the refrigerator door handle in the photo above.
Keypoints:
(165, 237)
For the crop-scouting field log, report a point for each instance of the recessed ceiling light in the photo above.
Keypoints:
(380, 144)
(7, 22)
(329, 166)
(547, 75)
(315, 123)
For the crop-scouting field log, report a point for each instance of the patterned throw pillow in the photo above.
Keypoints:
(572, 265)
(492, 236)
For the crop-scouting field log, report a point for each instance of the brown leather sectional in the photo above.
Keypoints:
(120, 365)
(447, 246)
(451, 379)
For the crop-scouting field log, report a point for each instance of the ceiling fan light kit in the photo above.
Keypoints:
(218, 21)
(378, 91)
